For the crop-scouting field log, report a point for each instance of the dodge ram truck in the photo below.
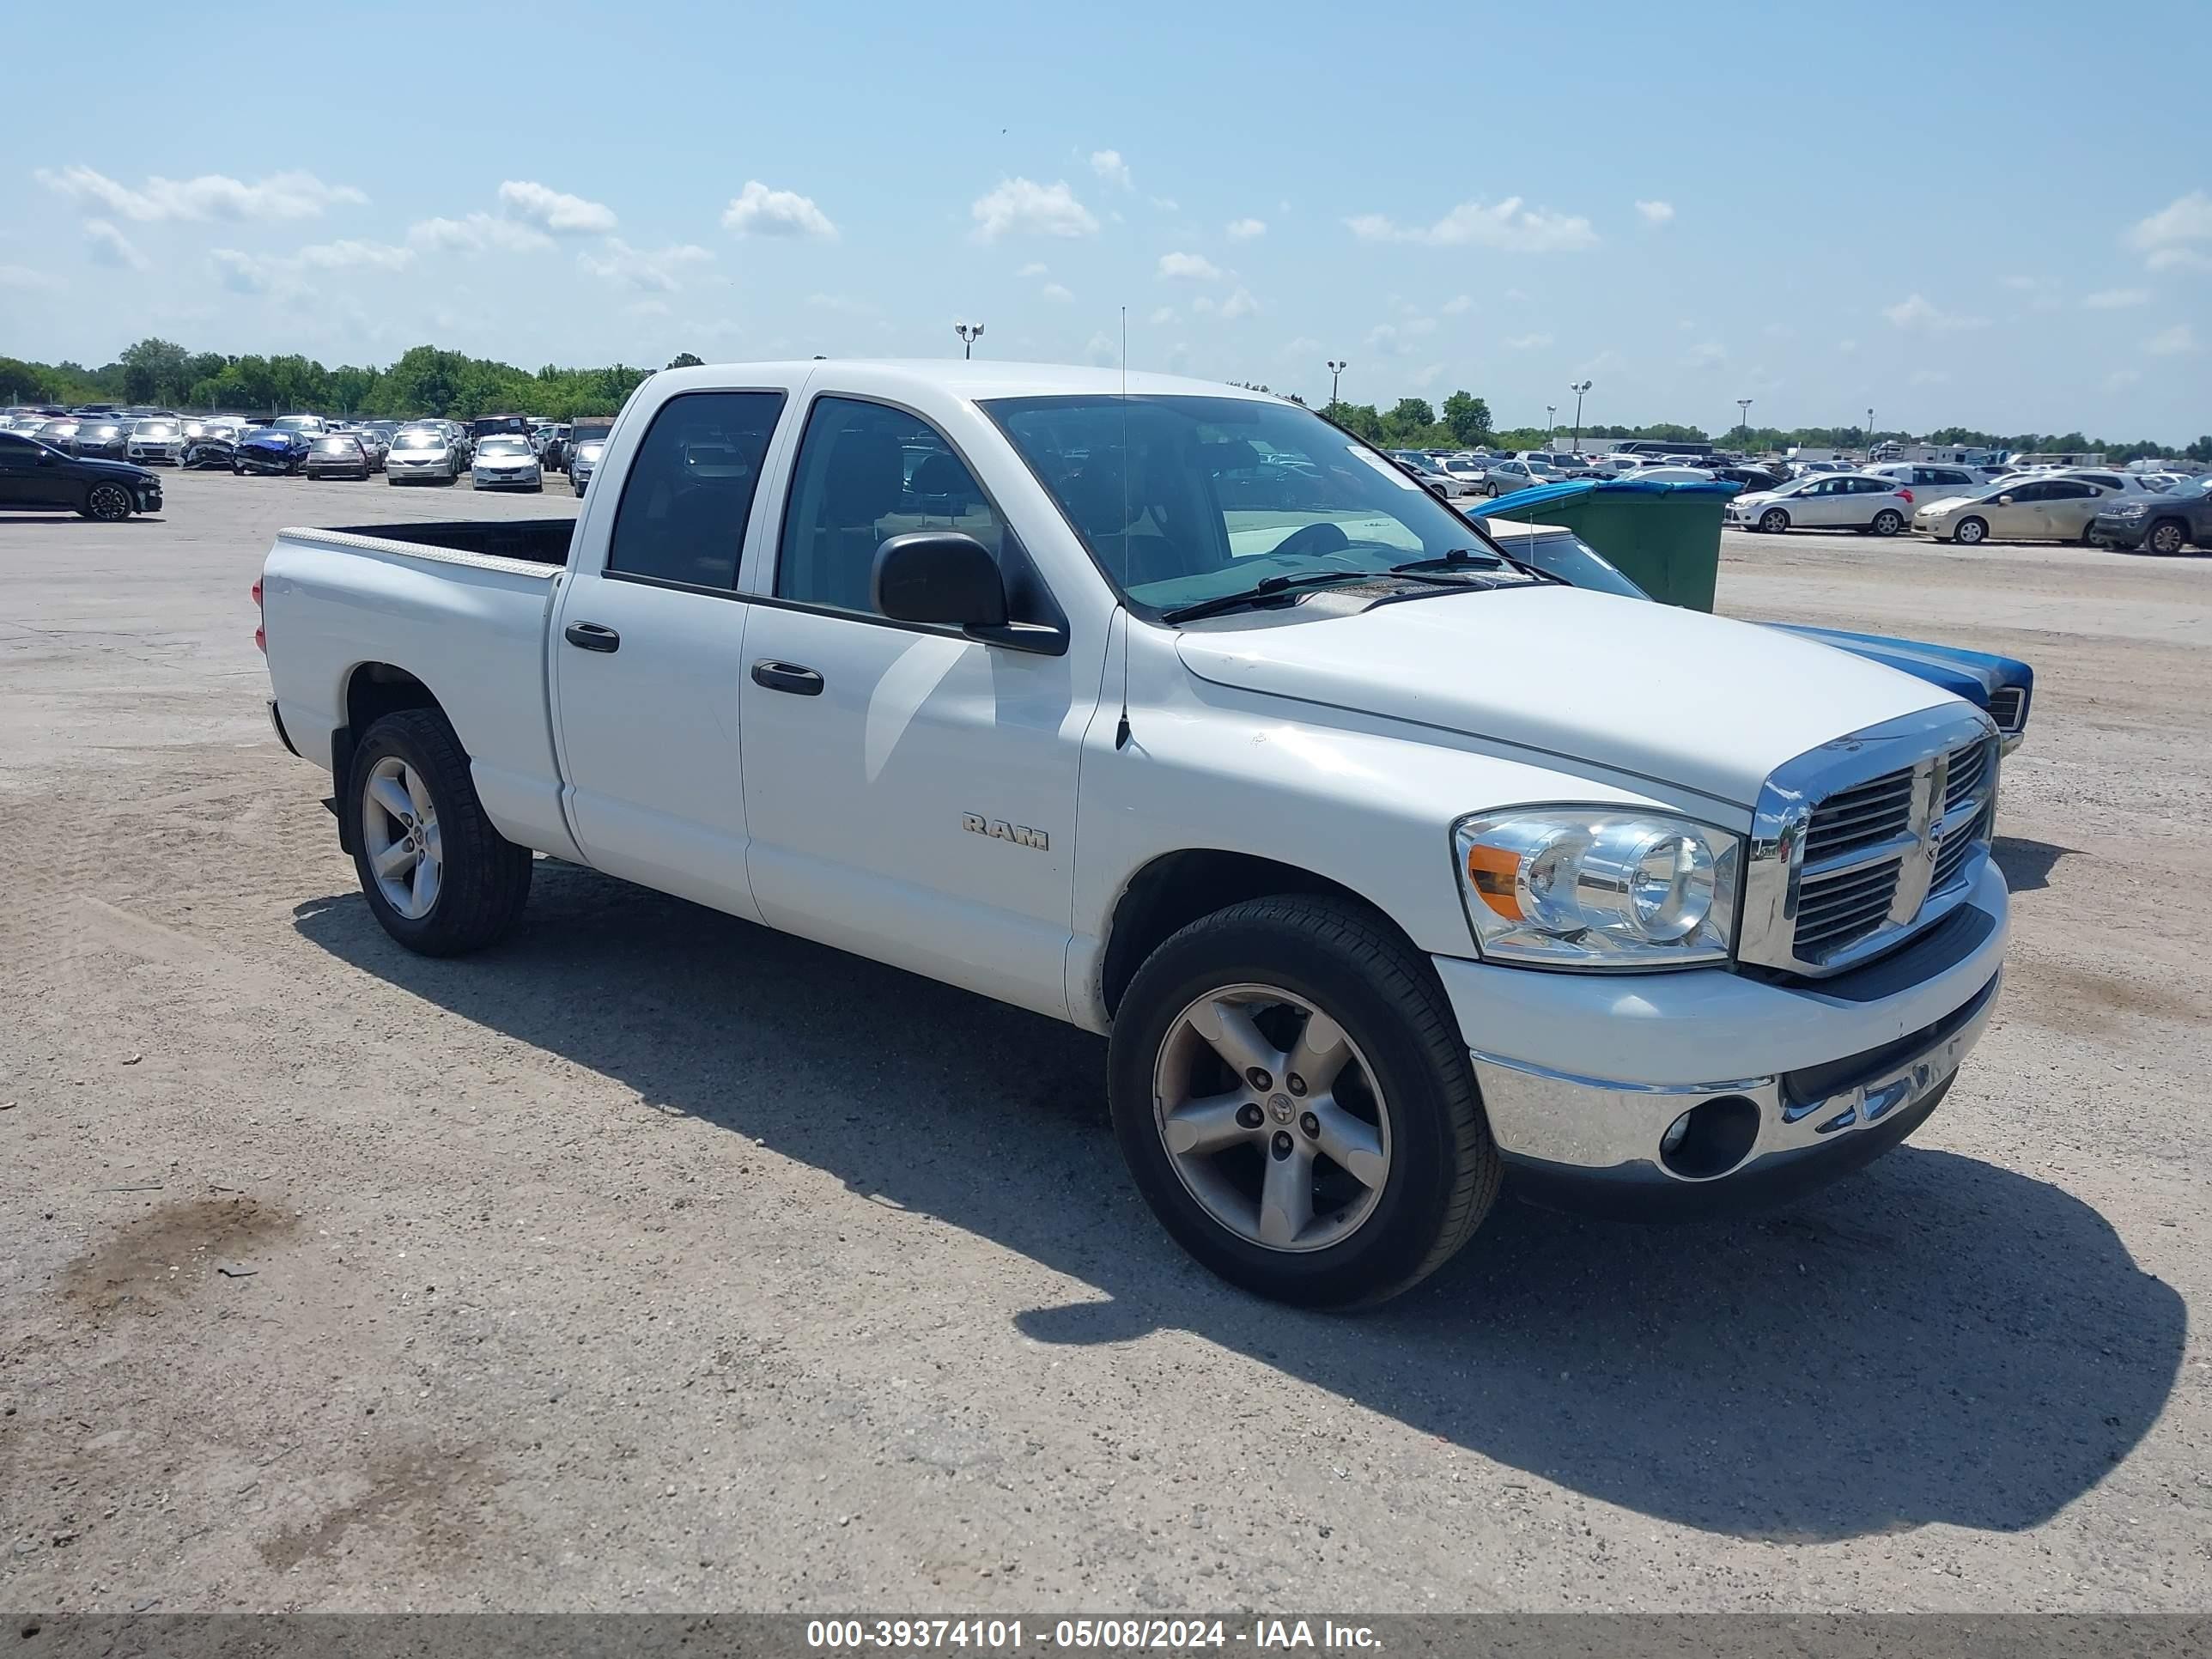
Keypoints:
(1391, 869)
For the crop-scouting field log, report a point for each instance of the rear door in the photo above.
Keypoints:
(2069, 505)
(648, 649)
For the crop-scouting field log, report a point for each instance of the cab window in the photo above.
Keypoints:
(682, 517)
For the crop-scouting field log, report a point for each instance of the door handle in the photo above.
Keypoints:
(787, 677)
(592, 636)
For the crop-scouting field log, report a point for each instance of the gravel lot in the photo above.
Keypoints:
(655, 1260)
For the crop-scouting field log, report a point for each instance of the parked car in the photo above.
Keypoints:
(1504, 478)
(506, 461)
(374, 444)
(1401, 868)
(2033, 508)
(2127, 484)
(1432, 477)
(271, 449)
(214, 449)
(102, 440)
(1751, 477)
(1669, 472)
(59, 433)
(1930, 480)
(584, 462)
(1825, 500)
(2001, 687)
(337, 455)
(423, 454)
(39, 477)
(312, 426)
(2164, 522)
(154, 440)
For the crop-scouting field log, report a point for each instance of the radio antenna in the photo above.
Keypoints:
(1122, 732)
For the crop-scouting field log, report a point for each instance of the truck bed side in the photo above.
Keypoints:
(363, 620)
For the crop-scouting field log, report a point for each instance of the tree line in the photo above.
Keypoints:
(427, 380)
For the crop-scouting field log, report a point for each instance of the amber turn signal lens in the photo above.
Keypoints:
(1491, 870)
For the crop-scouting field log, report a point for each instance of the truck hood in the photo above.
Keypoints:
(1654, 691)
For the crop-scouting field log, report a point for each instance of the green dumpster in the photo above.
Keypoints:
(1664, 537)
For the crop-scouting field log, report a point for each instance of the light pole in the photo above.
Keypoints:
(1870, 446)
(1743, 405)
(1336, 372)
(968, 333)
(1578, 387)
(1551, 422)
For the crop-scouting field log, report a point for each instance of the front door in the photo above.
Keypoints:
(26, 480)
(648, 652)
(2068, 507)
(910, 793)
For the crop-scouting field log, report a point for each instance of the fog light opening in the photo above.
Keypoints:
(1710, 1138)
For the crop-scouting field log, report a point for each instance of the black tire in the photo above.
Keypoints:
(486, 876)
(1444, 1171)
(1887, 522)
(1774, 521)
(107, 503)
(1971, 531)
(2166, 537)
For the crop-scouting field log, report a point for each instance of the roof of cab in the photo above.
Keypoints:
(964, 379)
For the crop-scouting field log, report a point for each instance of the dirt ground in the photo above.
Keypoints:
(654, 1261)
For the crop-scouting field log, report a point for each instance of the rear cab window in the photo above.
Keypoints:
(689, 492)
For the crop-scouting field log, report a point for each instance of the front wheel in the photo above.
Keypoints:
(2166, 537)
(1971, 531)
(109, 503)
(1294, 1102)
(1887, 522)
(440, 877)
(1774, 521)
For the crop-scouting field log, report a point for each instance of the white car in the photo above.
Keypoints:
(1932, 481)
(156, 441)
(1668, 472)
(504, 461)
(1825, 500)
(1401, 871)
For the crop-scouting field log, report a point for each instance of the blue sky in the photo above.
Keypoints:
(1999, 217)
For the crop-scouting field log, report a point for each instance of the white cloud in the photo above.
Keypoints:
(1162, 315)
(646, 308)
(756, 210)
(2117, 299)
(653, 272)
(1779, 331)
(1507, 226)
(2120, 378)
(1304, 346)
(1189, 267)
(1706, 354)
(241, 273)
(477, 234)
(1383, 336)
(1420, 325)
(1111, 169)
(1054, 291)
(1847, 348)
(1239, 304)
(1929, 377)
(1915, 311)
(1034, 268)
(555, 211)
(844, 304)
(291, 195)
(1243, 230)
(1427, 375)
(1020, 205)
(1165, 204)
(24, 280)
(2171, 342)
(1103, 350)
(353, 255)
(110, 246)
(2167, 238)
(1456, 304)
(1655, 213)
(1526, 342)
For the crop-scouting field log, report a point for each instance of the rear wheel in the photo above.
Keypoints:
(1294, 1102)
(1971, 531)
(440, 879)
(1887, 522)
(1774, 521)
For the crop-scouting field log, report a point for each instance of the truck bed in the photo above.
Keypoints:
(532, 541)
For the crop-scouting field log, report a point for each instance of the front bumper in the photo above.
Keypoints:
(1582, 1075)
(2121, 533)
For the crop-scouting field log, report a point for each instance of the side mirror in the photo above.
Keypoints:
(2005, 501)
(938, 576)
(45, 457)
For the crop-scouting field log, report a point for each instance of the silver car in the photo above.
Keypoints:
(421, 454)
(584, 460)
(2034, 508)
(506, 460)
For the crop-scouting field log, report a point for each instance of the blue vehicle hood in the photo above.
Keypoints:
(272, 441)
(1974, 675)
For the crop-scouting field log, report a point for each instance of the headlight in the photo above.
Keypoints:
(1590, 887)
(2131, 509)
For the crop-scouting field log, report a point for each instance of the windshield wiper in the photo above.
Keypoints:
(1457, 557)
(1265, 589)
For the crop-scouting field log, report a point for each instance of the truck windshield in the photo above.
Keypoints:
(1181, 500)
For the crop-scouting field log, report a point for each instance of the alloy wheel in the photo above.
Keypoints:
(399, 829)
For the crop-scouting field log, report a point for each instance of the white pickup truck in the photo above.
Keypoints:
(1174, 711)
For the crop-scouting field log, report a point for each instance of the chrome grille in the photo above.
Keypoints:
(1860, 843)
(2006, 707)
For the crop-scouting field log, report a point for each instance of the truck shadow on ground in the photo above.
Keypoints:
(2028, 863)
(1935, 1340)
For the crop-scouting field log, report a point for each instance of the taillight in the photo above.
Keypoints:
(1907, 494)
(260, 633)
